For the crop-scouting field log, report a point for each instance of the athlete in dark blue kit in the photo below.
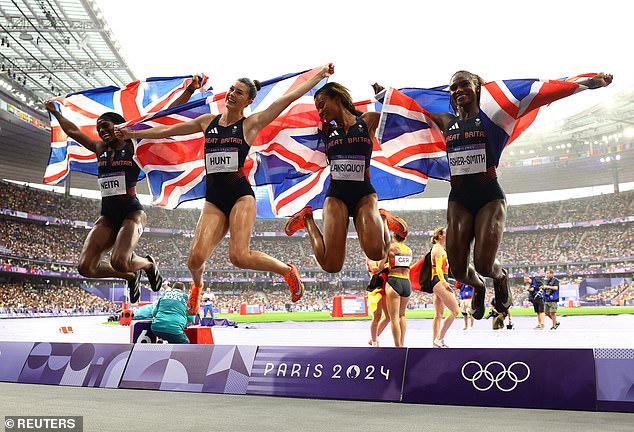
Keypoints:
(349, 143)
(122, 217)
(230, 202)
(476, 212)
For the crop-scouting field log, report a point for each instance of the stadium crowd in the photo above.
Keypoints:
(276, 300)
(56, 205)
(54, 247)
(27, 299)
(617, 295)
(573, 237)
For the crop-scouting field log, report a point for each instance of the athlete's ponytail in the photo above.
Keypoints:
(437, 233)
(253, 85)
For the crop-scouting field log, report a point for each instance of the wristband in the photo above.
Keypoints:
(380, 95)
(190, 91)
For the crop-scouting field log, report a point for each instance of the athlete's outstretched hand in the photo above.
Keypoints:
(197, 82)
(327, 70)
(123, 133)
(600, 80)
(50, 106)
(377, 88)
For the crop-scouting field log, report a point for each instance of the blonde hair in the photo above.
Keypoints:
(437, 233)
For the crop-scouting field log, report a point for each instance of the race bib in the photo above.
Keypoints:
(221, 160)
(402, 260)
(112, 184)
(471, 159)
(351, 168)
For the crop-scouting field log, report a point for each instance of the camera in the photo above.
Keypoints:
(539, 295)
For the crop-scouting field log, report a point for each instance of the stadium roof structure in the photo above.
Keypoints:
(50, 48)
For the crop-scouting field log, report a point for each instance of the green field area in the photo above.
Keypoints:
(412, 314)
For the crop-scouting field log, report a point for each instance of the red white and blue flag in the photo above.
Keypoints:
(289, 154)
(175, 166)
(410, 138)
(411, 147)
(137, 99)
(394, 170)
(507, 108)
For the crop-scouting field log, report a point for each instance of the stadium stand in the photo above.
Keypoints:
(41, 235)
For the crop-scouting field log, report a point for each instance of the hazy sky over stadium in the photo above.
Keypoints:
(394, 42)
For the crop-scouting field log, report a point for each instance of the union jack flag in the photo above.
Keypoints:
(410, 137)
(289, 154)
(507, 108)
(396, 169)
(175, 166)
(138, 98)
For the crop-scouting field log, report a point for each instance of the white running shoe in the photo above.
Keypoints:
(440, 343)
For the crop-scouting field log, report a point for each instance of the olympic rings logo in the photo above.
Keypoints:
(495, 378)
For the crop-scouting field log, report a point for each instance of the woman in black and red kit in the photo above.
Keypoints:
(349, 143)
(230, 200)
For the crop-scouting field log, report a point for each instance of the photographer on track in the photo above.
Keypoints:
(499, 317)
(536, 296)
(551, 298)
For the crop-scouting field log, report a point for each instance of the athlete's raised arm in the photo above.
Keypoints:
(255, 122)
(71, 129)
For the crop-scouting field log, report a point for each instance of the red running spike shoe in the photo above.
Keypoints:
(296, 222)
(394, 223)
(193, 302)
(295, 284)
